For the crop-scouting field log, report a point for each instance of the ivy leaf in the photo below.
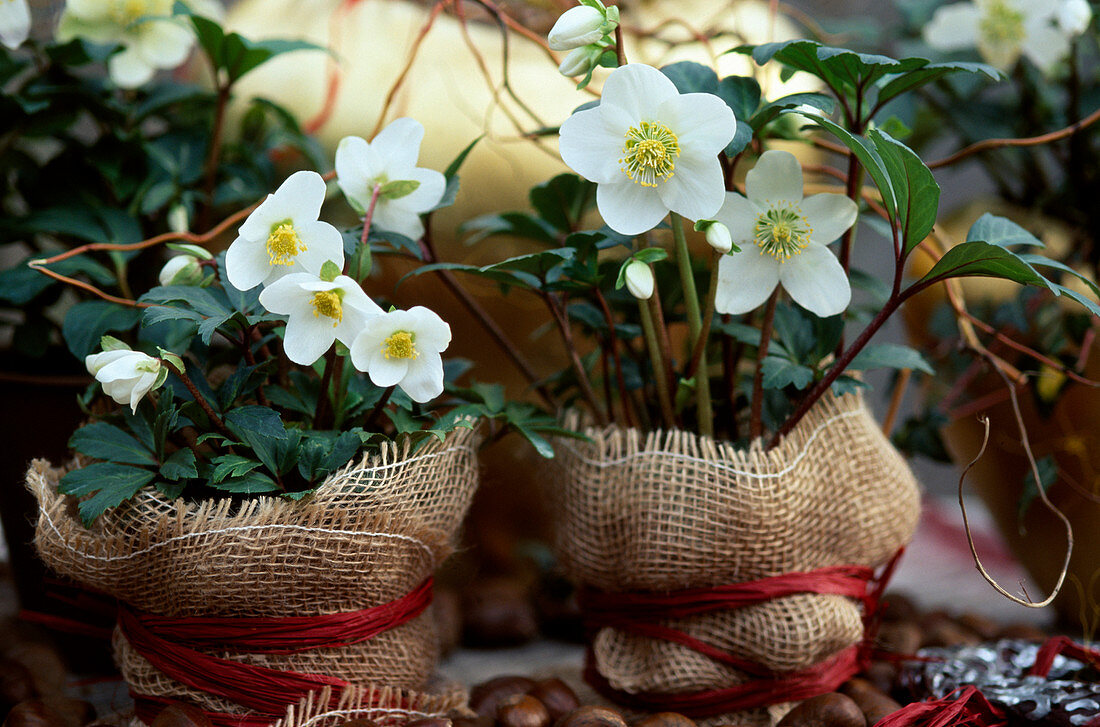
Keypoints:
(109, 485)
(107, 442)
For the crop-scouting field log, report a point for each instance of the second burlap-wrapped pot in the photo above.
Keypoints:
(372, 534)
(662, 512)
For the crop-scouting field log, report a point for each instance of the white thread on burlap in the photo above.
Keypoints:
(221, 531)
(710, 463)
(362, 711)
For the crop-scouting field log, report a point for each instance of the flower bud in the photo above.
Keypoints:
(580, 61)
(181, 270)
(126, 375)
(718, 237)
(577, 27)
(639, 279)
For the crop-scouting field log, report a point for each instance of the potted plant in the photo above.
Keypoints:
(1029, 137)
(732, 496)
(272, 464)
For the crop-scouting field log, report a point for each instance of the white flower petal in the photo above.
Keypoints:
(638, 89)
(357, 165)
(576, 27)
(257, 226)
(432, 332)
(702, 122)
(141, 387)
(163, 43)
(1045, 45)
(386, 372)
(432, 186)
(287, 295)
(96, 361)
(299, 198)
(92, 11)
(745, 280)
(591, 143)
(697, 189)
(247, 264)
(307, 338)
(424, 379)
(15, 22)
(630, 208)
(397, 219)
(398, 145)
(816, 281)
(829, 215)
(953, 27)
(128, 69)
(776, 177)
(739, 215)
(323, 243)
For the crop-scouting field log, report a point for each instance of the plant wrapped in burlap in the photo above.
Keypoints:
(368, 535)
(666, 511)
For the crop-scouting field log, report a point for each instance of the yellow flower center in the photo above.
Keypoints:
(1001, 33)
(328, 303)
(125, 12)
(649, 153)
(782, 231)
(400, 345)
(284, 244)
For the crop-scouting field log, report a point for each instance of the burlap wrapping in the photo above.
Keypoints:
(370, 534)
(665, 511)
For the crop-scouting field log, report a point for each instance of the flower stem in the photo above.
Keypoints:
(660, 378)
(620, 52)
(613, 344)
(369, 422)
(558, 308)
(704, 414)
(363, 241)
(323, 413)
(756, 418)
(200, 399)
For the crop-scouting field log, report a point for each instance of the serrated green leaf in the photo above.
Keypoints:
(868, 156)
(916, 193)
(262, 429)
(231, 465)
(248, 484)
(87, 321)
(980, 259)
(930, 73)
(108, 484)
(179, 465)
(771, 110)
(1000, 231)
(107, 442)
(780, 373)
(890, 355)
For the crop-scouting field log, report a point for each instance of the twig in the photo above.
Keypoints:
(613, 344)
(561, 316)
(895, 400)
(657, 361)
(1042, 494)
(369, 421)
(987, 144)
(756, 419)
(200, 399)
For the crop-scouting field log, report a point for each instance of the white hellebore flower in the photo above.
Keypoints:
(577, 27)
(1074, 16)
(15, 22)
(402, 348)
(389, 163)
(1002, 30)
(639, 279)
(283, 235)
(151, 38)
(320, 312)
(126, 375)
(783, 236)
(650, 149)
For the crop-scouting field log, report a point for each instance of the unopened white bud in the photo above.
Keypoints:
(580, 61)
(577, 27)
(718, 237)
(639, 279)
(181, 270)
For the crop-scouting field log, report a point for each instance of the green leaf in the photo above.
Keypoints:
(516, 224)
(179, 465)
(691, 77)
(771, 110)
(868, 156)
(779, 373)
(890, 355)
(237, 55)
(247, 484)
(398, 188)
(87, 321)
(980, 259)
(741, 94)
(231, 465)
(930, 73)
(108, 484)
(456, 164)
(262, 429)
(1000, 231)
(845, 70)
(107, 442)
(20, 283)
(916, 193)
(563, 201)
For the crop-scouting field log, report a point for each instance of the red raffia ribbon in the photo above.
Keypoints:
(172, 646)
(640, 613)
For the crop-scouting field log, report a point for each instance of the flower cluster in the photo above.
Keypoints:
(585, 32)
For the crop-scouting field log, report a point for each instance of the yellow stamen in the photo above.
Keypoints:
(782, 231)
(328, 303)
(401, 344)
(649, 153)
(284, 244)
(1001, 33)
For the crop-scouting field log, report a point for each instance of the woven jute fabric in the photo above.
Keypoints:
(665, 511)
(368, 535)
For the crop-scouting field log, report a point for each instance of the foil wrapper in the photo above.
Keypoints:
(1069, 695)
